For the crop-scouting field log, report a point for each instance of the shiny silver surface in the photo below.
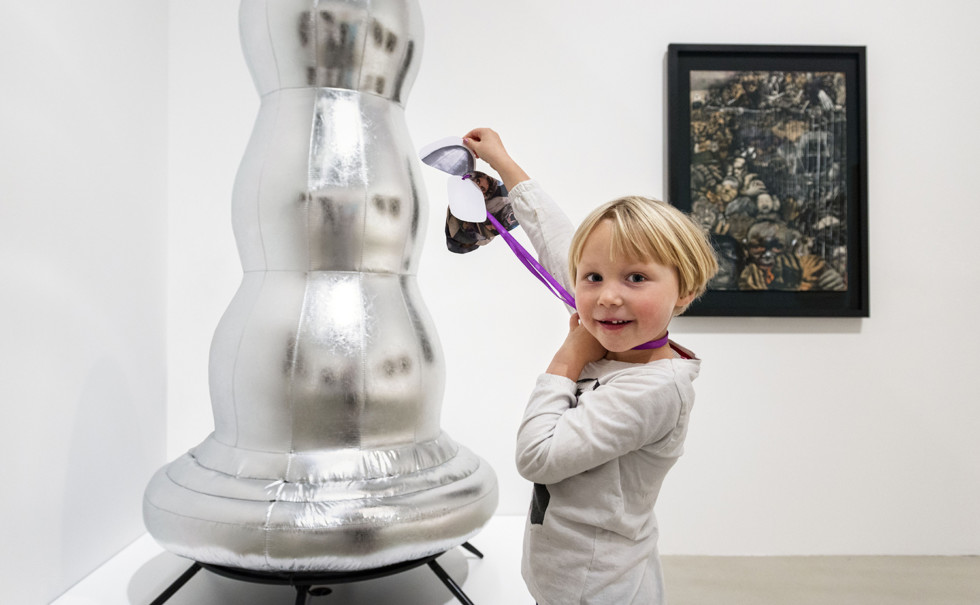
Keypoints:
(368, 46)
(326, 372)
(329, 181)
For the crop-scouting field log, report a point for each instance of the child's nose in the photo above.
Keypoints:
(609, 295)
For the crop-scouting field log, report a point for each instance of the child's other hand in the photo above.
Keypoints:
(580, 347)
(584, 343)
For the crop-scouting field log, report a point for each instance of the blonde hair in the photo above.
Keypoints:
(649, 229)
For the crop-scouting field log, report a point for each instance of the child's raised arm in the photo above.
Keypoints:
(542, 219)
(486, 144)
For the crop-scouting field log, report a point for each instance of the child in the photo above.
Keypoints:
(607, 421)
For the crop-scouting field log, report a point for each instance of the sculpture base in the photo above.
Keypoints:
(321, 511)
(316, 583)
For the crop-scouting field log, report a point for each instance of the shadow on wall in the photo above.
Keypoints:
(108, 462)
(86, 439)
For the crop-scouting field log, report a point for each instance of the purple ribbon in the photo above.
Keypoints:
(549, 280)
(533, 265)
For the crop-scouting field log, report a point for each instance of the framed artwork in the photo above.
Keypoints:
(767, 149)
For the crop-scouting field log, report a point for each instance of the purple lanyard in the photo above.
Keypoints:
(532, 265)
(549, 280)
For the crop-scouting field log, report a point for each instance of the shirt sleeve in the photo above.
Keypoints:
(547, 226)
(561, 436)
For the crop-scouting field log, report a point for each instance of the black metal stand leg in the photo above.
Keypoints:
(472, 549)
(305, 591)
(302, 592)
(178, 583)
(450, 583)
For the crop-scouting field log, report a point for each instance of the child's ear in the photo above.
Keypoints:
(686, 300)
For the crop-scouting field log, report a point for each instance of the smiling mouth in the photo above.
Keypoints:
(614, 323)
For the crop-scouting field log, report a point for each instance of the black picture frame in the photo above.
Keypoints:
(797, 232)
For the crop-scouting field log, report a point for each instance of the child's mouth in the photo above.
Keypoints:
(614, 323)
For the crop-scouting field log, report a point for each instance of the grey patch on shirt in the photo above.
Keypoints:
(539, 503)
(585, 384)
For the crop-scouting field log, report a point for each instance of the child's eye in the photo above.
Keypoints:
(635, 278)
(593, 277)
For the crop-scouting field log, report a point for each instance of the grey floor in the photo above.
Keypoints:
(823, 580)
(143, 571)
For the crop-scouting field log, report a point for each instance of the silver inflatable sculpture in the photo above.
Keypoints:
(326, 373)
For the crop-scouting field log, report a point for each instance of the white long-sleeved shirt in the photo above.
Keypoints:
(598, 451)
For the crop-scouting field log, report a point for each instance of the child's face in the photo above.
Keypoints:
(624, 302)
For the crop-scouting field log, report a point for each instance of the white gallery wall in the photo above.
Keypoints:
(810, 436)
(83, 167)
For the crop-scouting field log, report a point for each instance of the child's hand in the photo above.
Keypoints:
(580, 347)
(487, 146)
